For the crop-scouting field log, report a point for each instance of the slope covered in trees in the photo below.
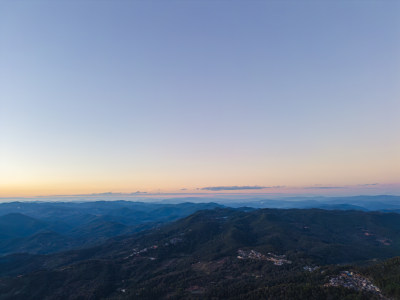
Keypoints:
(221, 254)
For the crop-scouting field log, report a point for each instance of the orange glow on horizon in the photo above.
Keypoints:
(92, 190)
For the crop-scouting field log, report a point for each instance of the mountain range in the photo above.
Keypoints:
(224, 253)
(45, 227)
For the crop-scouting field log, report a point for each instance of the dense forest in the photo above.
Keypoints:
(224, 254)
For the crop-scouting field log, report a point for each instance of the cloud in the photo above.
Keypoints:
(234, 188)
(108, 194)
(101, 194)
(325, 187)
(368, 184)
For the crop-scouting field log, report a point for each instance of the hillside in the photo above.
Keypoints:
(220, 254)
(14, 225)
(46, 227)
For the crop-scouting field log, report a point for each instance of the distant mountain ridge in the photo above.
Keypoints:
(46, 227)
(364, 203)
(50, 227)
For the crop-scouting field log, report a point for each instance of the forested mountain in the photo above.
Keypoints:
(47, 227)
(224, 254)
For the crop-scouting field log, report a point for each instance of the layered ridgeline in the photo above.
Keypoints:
(225, 254)
(45, 227)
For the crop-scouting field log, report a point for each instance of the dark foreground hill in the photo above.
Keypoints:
(224, 254)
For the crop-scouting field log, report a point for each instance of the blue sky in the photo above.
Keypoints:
(99, 96)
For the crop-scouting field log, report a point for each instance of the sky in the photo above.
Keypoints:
(199, 96)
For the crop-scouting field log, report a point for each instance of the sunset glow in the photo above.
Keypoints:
(121, 97)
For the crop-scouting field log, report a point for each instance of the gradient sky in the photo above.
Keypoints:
(120, 96)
